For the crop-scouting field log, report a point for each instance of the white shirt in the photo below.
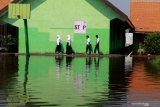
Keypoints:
(58, 40)
(97, 40)
(88, 41)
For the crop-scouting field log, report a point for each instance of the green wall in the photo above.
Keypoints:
(52, 17)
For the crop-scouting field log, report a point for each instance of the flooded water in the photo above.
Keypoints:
(47, 81)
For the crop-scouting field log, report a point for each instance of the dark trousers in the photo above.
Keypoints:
(88, 47)
(58, 48)
(69, 49)
(96, 48)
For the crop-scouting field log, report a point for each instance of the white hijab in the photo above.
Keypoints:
(58, 39)
(58, 36)
(69, 39)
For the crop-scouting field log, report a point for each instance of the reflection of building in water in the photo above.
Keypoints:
(46, 90)
(119, 80)
(18, 96)
(15, 94)
(68, 66)
(92, 88)
(58, 60)
(88, 63)
(144, 85)
(79, 74)
(79, 82)
(25, 95)
(8, 68)
(128, 64)
(118, 83)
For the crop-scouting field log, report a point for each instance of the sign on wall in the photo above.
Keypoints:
(80, 27)
(129, 39)
(19, 11)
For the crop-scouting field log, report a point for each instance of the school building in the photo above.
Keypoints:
(145, 15)
(50, 18)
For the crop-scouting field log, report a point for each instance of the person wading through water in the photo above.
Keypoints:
(88, 45)
(69, 49)
(97, 45)
(59, 45)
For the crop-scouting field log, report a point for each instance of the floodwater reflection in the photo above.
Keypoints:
(58, 60)
(96, 64)
(68, 66)
(88, 63)
(75, 81)
(25, 96)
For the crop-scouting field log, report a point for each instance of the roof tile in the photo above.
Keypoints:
(4, 4)
(145, 16)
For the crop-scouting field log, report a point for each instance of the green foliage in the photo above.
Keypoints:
(152, 43)
(154, 65)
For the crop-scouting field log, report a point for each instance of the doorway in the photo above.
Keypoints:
(8, 38)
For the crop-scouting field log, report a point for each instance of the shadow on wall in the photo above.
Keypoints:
(117, 32)
(101, 7)
(33, 3)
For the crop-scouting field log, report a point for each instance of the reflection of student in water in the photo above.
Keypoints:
(68, 65)
(58, 64)
(96, 63)
(69, 49)
(68, 61)
(59, 45)
(88, 63)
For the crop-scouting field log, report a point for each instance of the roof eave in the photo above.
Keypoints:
(5, 9)
(119, 12)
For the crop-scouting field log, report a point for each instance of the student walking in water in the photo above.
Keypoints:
(88, 45)
(68, 45)
(97, 44)
(58, 47)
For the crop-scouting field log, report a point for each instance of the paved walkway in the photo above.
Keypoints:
(124, 52)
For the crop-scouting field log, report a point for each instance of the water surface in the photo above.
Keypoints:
(46, 81)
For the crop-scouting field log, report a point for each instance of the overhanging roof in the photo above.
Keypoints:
(118, 12)
(4, 4)
(145, 15)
